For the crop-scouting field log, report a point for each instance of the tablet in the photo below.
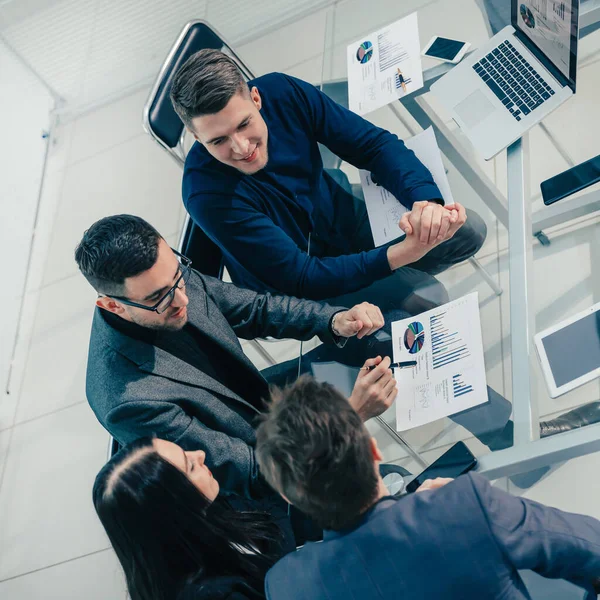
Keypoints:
(570, 351)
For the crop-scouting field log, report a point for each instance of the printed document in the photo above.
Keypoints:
(384, 65)
(450, 373)
(383, 208)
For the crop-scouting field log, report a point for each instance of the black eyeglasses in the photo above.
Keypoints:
(167, 299)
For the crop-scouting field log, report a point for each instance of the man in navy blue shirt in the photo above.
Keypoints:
(254, 181)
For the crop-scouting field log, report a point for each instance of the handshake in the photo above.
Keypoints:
(426, 226)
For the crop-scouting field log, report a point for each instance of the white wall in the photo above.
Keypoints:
(24, 115)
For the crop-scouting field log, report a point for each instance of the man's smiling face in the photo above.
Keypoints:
(237, 135)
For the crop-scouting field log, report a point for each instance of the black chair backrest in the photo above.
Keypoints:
(162, 117)
(205, 255)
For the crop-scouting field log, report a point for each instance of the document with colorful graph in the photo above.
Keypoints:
(449, 377)
(384, 66)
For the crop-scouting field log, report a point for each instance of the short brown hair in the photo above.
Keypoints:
(313, 448)
(204, 85)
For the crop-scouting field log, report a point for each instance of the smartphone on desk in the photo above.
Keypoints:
(454, 462)
(445, 49)
(570, 181)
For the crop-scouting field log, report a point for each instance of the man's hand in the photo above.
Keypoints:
(427, 225)
(434, 484)
(374, 391)
(362, 319)
(433, 222)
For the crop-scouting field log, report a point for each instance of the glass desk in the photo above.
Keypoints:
(505, 435)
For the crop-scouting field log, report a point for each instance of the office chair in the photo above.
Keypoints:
(113, 447)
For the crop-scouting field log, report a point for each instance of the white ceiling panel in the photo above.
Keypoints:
(90, 50)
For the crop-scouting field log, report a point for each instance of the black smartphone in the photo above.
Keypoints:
(452, 463)
(570, 181)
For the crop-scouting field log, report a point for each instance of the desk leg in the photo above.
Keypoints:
(521, 304)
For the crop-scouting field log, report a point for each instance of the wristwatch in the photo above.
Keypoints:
(332, 325)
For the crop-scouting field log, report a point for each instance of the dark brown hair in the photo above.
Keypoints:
(313, 448)
(114, 249)
(204, 84)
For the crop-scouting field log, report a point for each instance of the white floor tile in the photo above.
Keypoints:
(571, 486)
(14, 375)
(61, 303)
(291, 43)
(108, 126)
(135, 177)
(5, 437)
(46, 512)
(8, 409)
(55, 364)
(49, 203)
(95, 577)
(573, 122)
(55, 370)
(280, 350)
(60, 146)
(308, 70)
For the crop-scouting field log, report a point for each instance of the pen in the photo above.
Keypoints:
(399, 365)
(401, 78)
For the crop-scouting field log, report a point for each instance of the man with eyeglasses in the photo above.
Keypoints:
(164, 356)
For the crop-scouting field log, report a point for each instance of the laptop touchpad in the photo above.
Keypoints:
(474, 108)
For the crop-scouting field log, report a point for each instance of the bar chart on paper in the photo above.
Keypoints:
(449, 377)
(459, 387)
(447, 346)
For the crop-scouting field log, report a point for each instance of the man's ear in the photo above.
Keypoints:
(255, 97)
(377, 456)
(110, 305)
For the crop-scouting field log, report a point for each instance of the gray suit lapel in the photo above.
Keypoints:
(205, 315)
(166, 365)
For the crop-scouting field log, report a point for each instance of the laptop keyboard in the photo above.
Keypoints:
(513, 80)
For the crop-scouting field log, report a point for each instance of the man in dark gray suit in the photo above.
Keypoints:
(463, 540)
(164, 354)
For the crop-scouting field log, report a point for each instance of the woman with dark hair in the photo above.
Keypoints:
(175, 538)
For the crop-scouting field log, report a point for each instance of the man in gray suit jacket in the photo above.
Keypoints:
(164, 354)
(457, 540)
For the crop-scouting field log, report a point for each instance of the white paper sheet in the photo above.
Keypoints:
(450, 373)
(374, 62)
(383, 208)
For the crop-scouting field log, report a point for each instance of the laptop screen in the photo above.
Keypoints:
(552, 26)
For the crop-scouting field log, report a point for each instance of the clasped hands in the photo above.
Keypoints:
(427, 225)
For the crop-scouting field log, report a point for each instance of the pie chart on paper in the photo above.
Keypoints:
(364, 52)
(414, 337)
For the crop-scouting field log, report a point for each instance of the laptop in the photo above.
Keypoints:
(508, 85)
